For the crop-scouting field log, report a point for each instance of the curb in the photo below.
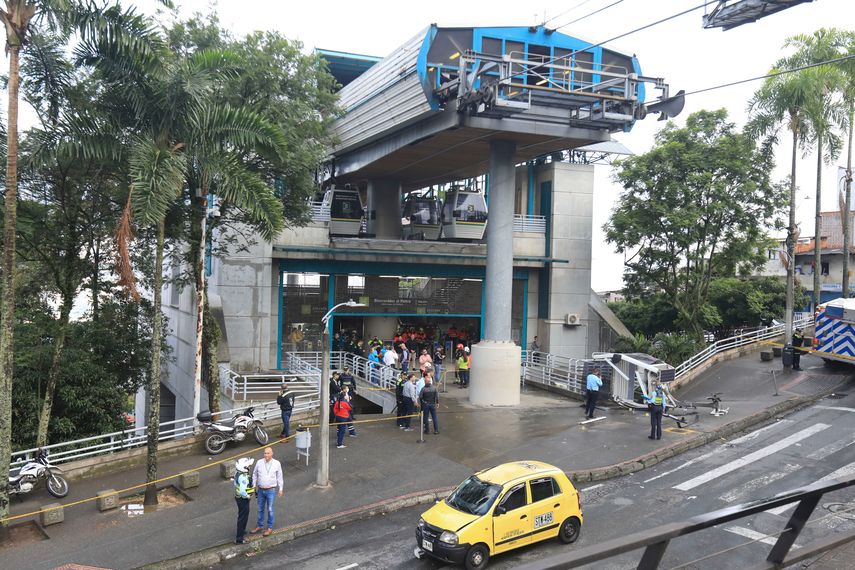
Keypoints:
(226, 551)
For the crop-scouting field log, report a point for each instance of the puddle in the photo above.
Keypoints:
(23, 534)
(167, 497)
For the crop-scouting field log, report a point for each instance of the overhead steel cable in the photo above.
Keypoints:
(565, 12)
(589, 15)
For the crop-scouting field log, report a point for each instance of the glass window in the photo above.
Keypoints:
(542, 488)
(346, 205)
(584, 62)
(304, 302)
(474, 496)
(471, 208)
(514, 499)
(491, 46)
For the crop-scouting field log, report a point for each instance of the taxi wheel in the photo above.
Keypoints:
(477, 557)
(569, 530)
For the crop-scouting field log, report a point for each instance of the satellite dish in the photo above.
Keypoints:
(668, 107)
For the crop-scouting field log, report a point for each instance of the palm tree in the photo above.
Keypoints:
(187, 139)
(18, 17)
(782, 101)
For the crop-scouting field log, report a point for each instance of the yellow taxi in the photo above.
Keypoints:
(500, 509)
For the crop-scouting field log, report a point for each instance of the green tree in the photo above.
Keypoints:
(750, 302)
(89, 20)
(689, 211)
(647, 314)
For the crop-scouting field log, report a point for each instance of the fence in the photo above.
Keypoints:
(553, 371)
(307, 399)
(379, 374)
(531, 224)
(320, 212)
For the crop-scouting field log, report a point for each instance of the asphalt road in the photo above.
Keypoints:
(813, 444)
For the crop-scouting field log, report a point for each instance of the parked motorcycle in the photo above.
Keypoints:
(235, 429)
(33, 471)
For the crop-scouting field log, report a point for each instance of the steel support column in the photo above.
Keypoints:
(500, 243)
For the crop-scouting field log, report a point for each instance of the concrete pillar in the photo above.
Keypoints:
(495, 375)
(384, 209)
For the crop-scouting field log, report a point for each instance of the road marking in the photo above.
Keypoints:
(593, 487)
(742, 439)
(837, 408)
(842, 473)
(758, 483)
(834, 447)
(354, 565)
(754, 535)
(751, 457)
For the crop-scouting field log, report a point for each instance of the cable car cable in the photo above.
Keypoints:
(567, 11)
(589, 15)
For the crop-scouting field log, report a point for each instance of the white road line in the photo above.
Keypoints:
(751, 457)
(354, 565)
(758, 483)
(754, 535)
(834, 447)
(843, 472)
(598, 485)
(742, 439)
(837, 408)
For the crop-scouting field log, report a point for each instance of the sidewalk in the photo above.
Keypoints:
(384, 462)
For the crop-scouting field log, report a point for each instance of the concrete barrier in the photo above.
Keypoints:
(51, 514)
(189, 480)
(107, 500)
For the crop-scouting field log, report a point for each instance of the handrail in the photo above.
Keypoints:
(656, 540)
(380, 374)
(531, 224)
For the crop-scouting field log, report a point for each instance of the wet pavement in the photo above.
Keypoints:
(384, 462)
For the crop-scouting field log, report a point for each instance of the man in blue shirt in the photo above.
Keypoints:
(657, 408)
(593, 385)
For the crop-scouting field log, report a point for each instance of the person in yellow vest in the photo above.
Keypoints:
(464, 363)
(657, 404)
(243, 493)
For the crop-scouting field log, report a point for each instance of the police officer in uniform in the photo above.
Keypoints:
(399, 398)
(657, 408)
(243, 493)
(798, 340)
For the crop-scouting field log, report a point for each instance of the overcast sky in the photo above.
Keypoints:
(680, 50)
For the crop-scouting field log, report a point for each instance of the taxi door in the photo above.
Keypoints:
(512, 523)
(548, 506)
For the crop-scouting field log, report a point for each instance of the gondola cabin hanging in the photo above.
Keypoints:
(346, 211)
(464, 215)
(420, 218)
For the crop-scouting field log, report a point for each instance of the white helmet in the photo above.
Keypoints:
(243, 464)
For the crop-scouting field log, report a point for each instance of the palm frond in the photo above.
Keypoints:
(157, 177)
(239, 185)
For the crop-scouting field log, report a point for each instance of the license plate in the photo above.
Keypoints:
(427, 545)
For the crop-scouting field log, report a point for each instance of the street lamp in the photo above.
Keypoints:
(323, 478)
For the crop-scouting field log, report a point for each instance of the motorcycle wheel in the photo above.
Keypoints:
(57, 485)
(215, 443)
(261, 435)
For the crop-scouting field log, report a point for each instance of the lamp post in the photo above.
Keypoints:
(323, 479)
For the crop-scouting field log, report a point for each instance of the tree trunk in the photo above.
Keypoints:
(212, 342)
(791, 243)
(153, 432)
(200, 305)
(7, 321)
(817, 238)
(53, 374)
(847, 240)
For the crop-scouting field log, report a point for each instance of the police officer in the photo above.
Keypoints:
(347, 379)
(243, 493)
(657, 406)
(798, 340)
(399, 397)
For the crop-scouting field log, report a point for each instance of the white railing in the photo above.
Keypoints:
(737, 341)
(553, 370)
(320, 212)
(64, 452)
(531, 224)
(380, 375)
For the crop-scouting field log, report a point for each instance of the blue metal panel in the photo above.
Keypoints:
(530, 206)
(422, 65)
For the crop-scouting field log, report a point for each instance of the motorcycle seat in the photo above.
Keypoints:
(227, 423)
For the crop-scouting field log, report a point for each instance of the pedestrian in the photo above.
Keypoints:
(399, 398)
(798, 340)
(592, 384)
(405, 358)
(285, 399)
(425, 360)
(243, 493)
(534, 346)
(410, 400)
(351, 430)
(429, 400)
(657, 405)
(390, 358)
(268, 478)
(347, 379)
(438, 357)
(373, 363)
(463, 364)
(420, 383)
(341, 413)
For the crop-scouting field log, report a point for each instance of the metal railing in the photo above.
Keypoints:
(655, 541)
(744, 339)
(531, 224)
(381, 375)
(553, 370)
(320, 212)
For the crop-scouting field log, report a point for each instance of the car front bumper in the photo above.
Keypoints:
(441, 551)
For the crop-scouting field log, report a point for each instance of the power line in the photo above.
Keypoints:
(589, 15)
(567, 11)
(768, 75)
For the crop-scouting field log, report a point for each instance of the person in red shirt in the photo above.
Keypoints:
(342, 410)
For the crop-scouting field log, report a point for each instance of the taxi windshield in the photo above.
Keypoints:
(473, 496)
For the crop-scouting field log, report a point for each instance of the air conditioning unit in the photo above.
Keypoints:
(572, 319)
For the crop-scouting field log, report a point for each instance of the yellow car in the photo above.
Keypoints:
(500, 509)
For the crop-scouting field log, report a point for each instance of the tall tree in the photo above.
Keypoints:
(65, 16)
(690, 208)
(781, 102)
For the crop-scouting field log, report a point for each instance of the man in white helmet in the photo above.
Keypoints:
(243, 493)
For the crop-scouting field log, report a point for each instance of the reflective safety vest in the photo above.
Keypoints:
(658, 398)
(243, 484)
(463, 363)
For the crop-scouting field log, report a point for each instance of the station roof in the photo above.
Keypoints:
(346, 67)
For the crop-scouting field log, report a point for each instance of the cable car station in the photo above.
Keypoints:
(449, 205)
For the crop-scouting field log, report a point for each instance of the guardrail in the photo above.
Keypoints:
(656, 540)
(320, 212)
(735, 342)
(553, 370)
(531, 224)
(380, 375)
